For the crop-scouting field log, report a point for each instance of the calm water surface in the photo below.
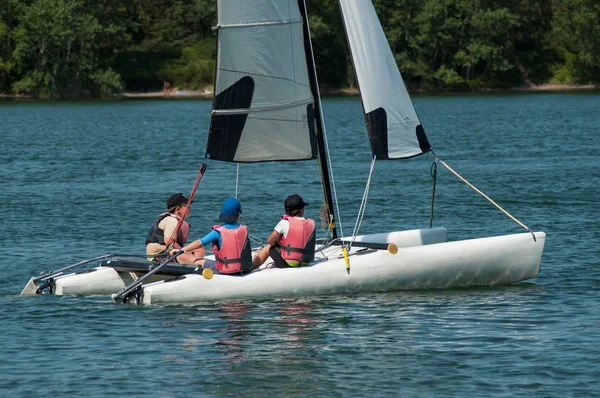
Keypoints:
(78, 180)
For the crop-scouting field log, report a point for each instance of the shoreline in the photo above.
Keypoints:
(354, 91)
(207, 94)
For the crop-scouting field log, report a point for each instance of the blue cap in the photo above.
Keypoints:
(230, 210)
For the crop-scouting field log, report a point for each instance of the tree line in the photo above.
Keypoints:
(94, 48)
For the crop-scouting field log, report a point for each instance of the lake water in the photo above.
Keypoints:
(82, 179)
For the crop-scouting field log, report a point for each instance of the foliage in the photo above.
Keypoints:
(195, 68)
(577, 36)
(329, 46)
(108, 81)
(82, 48)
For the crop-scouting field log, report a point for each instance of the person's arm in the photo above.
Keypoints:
(263, 253)
(273, 238)
(208, 238)
(170, 223)
(280, 229)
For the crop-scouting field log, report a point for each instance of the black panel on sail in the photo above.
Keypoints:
(310, 113)
(226, 130)
(423, 141)
(377, 129)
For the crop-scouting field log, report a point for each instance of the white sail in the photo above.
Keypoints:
(262, 109)
(392, 122)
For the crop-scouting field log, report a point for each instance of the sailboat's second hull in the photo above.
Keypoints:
(112, 276)
(105, 280)
(478, 262)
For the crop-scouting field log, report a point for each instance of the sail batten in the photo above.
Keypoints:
(261, 70)
(267, 23)
(261, 109)
(394, 129)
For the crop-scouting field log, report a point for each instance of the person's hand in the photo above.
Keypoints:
(175, 251)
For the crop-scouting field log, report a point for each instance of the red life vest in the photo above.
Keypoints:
(184, 232)
(299, 244)
(157, 234)
(235, 254)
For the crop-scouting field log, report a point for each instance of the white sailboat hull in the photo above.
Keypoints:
(98, 281)
(106, 280)
(478, 262)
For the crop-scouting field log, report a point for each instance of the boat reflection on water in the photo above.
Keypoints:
(234, 335)
(281, 332)
(283, 326)
(298, 322)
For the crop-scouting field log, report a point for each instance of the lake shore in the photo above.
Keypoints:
(353, 91)
(207, 93)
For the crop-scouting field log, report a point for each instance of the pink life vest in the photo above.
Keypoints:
(184, 232)
(299, 244)
(235, 255)
(157, 234)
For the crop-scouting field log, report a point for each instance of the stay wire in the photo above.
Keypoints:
(485, 196)
(363, 204)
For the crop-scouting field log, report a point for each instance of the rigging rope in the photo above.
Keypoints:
(486, 197)
(255, 239)
(363, 204)
(434, 175)
(324, 217)
(335, 199)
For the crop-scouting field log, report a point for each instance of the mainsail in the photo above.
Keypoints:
(263, 107)
(392, 123)
(266, 105)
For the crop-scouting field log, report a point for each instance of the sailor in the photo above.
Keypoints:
(230, 243)
(292, 242)
(161, 232)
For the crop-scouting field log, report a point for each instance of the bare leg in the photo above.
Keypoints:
(261, 256)
(191, 257)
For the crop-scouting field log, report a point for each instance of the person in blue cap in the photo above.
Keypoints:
(230, 242)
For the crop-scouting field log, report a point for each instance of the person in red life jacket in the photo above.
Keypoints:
(159, 239)
(230, 243)
(292, 242)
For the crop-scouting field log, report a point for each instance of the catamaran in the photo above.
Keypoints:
(266, 107)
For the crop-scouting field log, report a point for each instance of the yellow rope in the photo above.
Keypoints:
(484, 195)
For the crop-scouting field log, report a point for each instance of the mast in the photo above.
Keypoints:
(323, 160)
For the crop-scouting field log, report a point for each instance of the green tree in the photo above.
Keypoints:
(397, 18)
(57, 49)
(576, 32)
(75, 48)
(9, 10)
(329, 43)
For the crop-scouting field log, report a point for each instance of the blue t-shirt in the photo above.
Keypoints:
(215, 235)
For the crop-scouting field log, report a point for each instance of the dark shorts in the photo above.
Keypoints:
(212, 264)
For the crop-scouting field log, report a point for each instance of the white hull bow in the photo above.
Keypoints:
(477, 262)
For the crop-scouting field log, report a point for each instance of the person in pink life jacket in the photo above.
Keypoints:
(159, 239)
(292, 242)
(230, 243)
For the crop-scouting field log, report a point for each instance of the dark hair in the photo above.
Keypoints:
(294, 212)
